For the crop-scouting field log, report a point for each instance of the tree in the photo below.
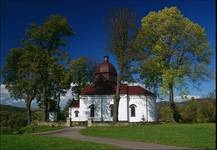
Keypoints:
(212, 94)
(81, 71)
(177, 52)
(189, 113)
(164, 114)
(123, 31)
(60, 83)
(49, 39)
(20, 75)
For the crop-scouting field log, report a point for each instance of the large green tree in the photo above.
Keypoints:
(20, 75)
(81, 71)
(123, 29)
(49, 39)
(177, 52)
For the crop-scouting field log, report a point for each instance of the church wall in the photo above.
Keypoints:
(152, 109)
(122, 111)
(140, 103)
(102, 110)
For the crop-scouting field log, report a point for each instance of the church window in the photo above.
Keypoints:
(92, 110)
(76, 113)
(133, 110)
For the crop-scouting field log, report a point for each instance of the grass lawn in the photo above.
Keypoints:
(34, 142)
(185, 135)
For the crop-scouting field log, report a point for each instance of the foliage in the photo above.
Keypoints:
(66, 108)
(199, 112)
(184, 135)
(189, 113)
(165, 114)
(12, 118)
(48, 39)
(176, 51)
(20, 75)
(212, 94)
(81, 72)
(31, 142)
(123, 30)
(7, 130)
(193, 111)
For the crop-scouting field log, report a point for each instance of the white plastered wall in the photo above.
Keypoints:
(102, 111)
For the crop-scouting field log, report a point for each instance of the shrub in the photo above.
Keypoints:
(26, 129)
(206, 112)
(7, 130)
(193, 111)
(165, 114)
(189, 113)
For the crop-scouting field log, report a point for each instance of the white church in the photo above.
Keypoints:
(136, 103)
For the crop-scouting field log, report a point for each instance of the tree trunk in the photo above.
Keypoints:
(116, 101)
(45, 116)
(58, 102)
(175, 113)
(45, 107)
(29, 114)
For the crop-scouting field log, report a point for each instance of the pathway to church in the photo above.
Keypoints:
(74, 133)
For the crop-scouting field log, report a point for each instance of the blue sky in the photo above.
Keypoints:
(89, 21)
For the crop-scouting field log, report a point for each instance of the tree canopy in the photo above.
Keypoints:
(123, 30)
(177, 51)
(38, 67)
(81, 72)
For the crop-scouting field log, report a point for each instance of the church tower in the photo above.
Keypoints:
(105, 77)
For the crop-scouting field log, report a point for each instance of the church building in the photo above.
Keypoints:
(96, 101)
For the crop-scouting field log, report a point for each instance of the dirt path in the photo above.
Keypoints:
(74, 133)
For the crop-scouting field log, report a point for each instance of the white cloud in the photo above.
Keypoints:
(65, 98)
(5, 98)
(179, 99)
(186, 98)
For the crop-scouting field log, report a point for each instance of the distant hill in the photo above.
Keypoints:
(11, 108)
(201, 100)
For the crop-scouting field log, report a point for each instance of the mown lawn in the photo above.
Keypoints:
(34, 142)
(185, 135)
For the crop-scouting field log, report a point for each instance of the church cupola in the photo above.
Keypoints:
(106, 71)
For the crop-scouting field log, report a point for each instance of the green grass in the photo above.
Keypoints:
(33, 142)
(184, 135)
(34, 129)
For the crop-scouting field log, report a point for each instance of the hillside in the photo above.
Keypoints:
(200, 100)
(11, 108)
(13, 118)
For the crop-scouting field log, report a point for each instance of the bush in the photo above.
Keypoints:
(189, 113)
(165, 114)
(17, 121)
(26, 129)
(206, 113)
(7, 130)
(193, 111)
(12, 120)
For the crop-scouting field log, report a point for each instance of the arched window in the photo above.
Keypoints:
(76, 113)
(92, 110)
(111, 110)
(133, 110)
